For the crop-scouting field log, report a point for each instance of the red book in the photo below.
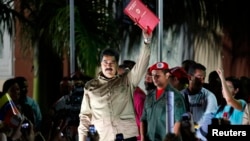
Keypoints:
(141, 15)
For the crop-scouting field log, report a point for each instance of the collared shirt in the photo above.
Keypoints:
(154, 113)
(108, 103)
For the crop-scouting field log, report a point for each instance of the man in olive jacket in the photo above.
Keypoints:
(108, 99)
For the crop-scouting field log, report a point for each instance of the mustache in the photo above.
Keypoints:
(108, 69)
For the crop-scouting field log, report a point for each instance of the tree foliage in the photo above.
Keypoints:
(102, 23)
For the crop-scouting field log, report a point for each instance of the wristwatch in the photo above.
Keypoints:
(147, 40)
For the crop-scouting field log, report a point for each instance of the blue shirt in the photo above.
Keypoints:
(236, 117)
(36, 109)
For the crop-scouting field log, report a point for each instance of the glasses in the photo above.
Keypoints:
(111, 63)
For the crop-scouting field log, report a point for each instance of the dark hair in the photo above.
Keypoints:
(110, 52)
(122, 66)
(213, 77)
(237, 85)
(23, 88)
(21, 82)
(184, 80)
(214, 85)
(194, 67)
(187, 63)
(7, 84)
(245, 87)
(235, 81)
(165, 71)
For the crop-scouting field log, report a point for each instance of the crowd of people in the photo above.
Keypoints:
(195, 105)
(177, 104)
(20, 115)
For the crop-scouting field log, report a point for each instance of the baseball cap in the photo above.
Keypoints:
(178, 72)
(159, 66)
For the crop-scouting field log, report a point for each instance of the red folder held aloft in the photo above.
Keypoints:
(141, 15)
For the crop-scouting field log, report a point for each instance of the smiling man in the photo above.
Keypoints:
(108, 99)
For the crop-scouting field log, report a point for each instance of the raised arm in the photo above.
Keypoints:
(227, 94)
(142, 62)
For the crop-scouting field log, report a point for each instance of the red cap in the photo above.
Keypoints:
(178, 72)
(159, 66)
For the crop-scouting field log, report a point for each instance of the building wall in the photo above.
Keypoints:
(14, 63)
(6, 59)
(24, 67)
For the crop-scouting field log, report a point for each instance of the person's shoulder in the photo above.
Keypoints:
(243, 102)
(203, 89)
(171, 88)
(150, 93)
(206, 91)
(184, 91)
(30, 99)
(138, 90)
(90, 83)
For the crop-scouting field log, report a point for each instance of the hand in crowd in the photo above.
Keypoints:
(225, 91)
(94, 136)
(220, 73)
(57, 133)
(13, 133)
(27, 130)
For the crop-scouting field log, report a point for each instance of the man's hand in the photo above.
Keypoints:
(94, 137)
(147, 37)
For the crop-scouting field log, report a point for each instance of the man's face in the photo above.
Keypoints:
(109, 66)
(174, 81)
(24, 90)
(231, 88)
(200, 74)
(197, 79)
(160, 79)
(14, 92)
(148, 78)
